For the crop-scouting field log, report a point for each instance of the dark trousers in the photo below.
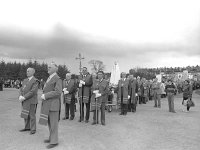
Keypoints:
(170, 97)
(157, 98)
(53, 126)
(30, 122)
(129, 105)
(96, 114)
(133, 107)
(124, 109)
(87, 105)
(140, 99)
(69, 108)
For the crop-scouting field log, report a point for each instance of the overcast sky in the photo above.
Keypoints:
(135, 33)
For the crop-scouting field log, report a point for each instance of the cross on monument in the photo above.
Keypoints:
(80, 58)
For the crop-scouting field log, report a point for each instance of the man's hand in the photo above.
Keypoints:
(80, 85)
(98, 95)
(96, 91)
(128, 96)
(82, 82)
(65, 89)
(21, 98)
(66, 92)
(43, 97)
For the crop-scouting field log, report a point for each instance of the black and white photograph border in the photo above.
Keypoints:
(147, 40)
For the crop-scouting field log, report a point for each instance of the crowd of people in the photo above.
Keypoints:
(93, 93)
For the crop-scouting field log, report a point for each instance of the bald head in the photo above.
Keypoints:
(30, 72)
(52, 68)
(68, 76)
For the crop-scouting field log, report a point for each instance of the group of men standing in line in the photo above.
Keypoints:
(92, 95)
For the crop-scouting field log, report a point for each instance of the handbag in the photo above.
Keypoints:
(190, 103)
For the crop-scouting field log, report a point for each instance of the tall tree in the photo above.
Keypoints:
(96, 65)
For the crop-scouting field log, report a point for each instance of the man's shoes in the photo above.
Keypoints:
(173, 111)
(86, 121)
(103, 123)
(46, 141)
(32, 132)
(80, 120)
(64, 118)
(121, 114)
(94, 123)
(71, 118)
(51, 146)
(22, 130)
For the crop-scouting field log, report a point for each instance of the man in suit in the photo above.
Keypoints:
(123, 96)
(133, 89)
(28, 98)
(99, 97)
(156, 93)
(69, 91)
(51, 104)
(85, 83)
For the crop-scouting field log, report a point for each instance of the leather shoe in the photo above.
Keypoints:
(46, 141)
(93, 123)
(32, 132)
(22, 130)
(64, 118)
(71, 118)
(86, 121)
(103, 124)
(51, 146)
(80, 120)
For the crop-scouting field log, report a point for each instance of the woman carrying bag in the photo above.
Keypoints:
(187, 95)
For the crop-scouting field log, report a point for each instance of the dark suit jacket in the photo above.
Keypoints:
(72, 88)
(52, 91)
(29, 90)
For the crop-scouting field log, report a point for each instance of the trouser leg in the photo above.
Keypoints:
(82, 111)
(169, 103)
(27, 122)
(188, 108)
(87, 111)
(125, 108)
(67, 110)
(172, 103)
(96, 116)
(103, 113)
(53, 126)
(155, 100)
(159, 100)
(33, 117)
(72, 109)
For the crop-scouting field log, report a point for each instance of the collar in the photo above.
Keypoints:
(101, 80)
(52, 75)
(29, 78)
(68, 80)
(84, 75)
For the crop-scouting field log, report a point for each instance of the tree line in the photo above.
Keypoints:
(14, 70)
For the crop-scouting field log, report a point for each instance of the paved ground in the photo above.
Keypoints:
(148, 129)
